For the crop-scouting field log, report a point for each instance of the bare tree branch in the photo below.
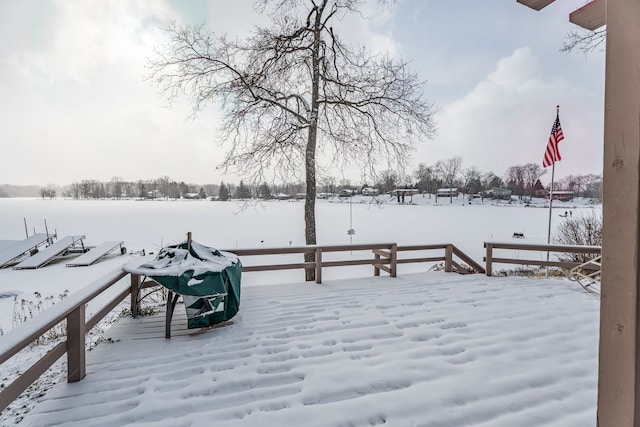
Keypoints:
(585, 41)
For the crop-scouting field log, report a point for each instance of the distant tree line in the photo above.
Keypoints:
(49, 192)
(8, 190)
(522, 180)
(117, 188)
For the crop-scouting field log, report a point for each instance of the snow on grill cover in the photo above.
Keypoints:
(207, 279)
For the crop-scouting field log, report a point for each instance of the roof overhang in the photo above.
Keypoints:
(591, 16)
(536, 4)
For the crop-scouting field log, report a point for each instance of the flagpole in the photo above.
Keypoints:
(553, 170)
(552, 154)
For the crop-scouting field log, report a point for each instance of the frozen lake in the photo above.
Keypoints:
(227, 225)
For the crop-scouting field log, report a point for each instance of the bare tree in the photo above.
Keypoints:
(75, 190)
(576, 183)
(141, 189)
(532, 172)
(472, 180)
(86, 188)
(582, 229)
(296, 89)
(388, 180)
(490, 180)
(328, 184)
(424, 178)
(449, 170)
(117, 183)
(522, 178)
(515, 178)
(164, 182)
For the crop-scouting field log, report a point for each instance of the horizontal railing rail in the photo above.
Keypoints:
(450, 251)
(385, 258)
(318, 264)
(72, 309)
(491, 259)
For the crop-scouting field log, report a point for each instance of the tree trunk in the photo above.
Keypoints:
(310, 153)
(310, 202)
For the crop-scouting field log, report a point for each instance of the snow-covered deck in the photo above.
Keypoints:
(432, 349)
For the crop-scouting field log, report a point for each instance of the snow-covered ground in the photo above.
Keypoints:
(431, 349)
(505, 380)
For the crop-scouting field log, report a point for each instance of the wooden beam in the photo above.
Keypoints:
(536, 4)
(619, 362)
(76, 353)
(591, 16)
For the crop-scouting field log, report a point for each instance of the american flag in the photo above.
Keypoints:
(552, 154)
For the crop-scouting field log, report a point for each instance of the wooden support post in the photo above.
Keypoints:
(488, 259)
(376, 269)
(448, 258)
(76, 363)
(619, 379)
(394, 260)
(318, 265)
(135, 291)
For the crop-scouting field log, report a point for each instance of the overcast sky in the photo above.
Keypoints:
(74, 104)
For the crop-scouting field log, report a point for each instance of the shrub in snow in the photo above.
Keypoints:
(584, 229)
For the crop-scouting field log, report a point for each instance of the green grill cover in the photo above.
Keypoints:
(207, 279)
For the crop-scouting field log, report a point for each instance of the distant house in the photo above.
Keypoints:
(368, 191)
(538, 189)
(153, 194)
(282, 196)
(563, 196)
(498, 193)
(447, 192)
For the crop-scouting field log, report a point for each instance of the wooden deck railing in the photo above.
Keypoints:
(383, 254)
(450, 251)
(385, 258)
(491, 259)
(72, 309)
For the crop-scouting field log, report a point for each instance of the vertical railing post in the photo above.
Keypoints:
(448, 258)
(376, 269)
(319, 265)
(394, 260)
(76, 364)
(488, 258)
(135, 290)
